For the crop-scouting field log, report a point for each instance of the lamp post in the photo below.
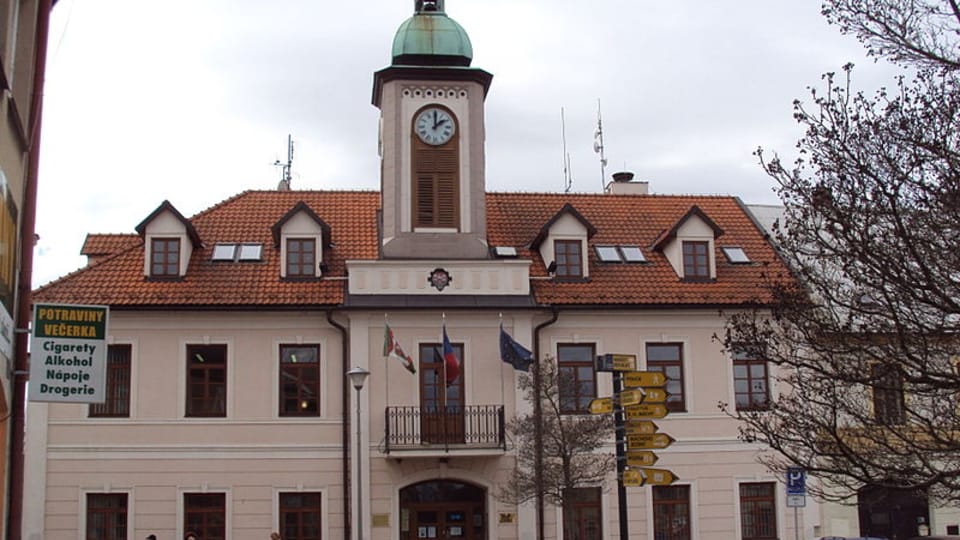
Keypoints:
(358, 376)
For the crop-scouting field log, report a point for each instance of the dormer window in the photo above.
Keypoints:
(170, 240)
(301, 257)
(302, 238)
(689, 246)
(562, 244)
(165, 257)
(569, 258)
(696, 260)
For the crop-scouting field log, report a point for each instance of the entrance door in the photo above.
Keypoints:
(893, 514)
(443, 510)
(445, 522)
(441, 405)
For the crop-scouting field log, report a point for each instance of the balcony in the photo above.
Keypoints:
(473, 430)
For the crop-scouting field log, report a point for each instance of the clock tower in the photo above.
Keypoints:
(432, 141)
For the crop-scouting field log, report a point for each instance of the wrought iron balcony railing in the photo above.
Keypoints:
(447, 428)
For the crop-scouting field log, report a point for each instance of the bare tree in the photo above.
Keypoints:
(867, 338)
(922, 33)
(571, 442)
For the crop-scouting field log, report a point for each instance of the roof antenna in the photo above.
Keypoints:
(284, 184)
(567, 173)
(598, 148)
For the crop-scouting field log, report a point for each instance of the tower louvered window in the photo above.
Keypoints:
(436, 178)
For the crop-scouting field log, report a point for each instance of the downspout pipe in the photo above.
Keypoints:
(24, 303)
(538, 430)
(345, 422)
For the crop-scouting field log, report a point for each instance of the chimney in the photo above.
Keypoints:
(623, 184)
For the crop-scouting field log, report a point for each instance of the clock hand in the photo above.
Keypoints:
(435, 119)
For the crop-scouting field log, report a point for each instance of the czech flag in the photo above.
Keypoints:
(450, 363)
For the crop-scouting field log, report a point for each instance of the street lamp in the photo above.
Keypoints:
(358, 376)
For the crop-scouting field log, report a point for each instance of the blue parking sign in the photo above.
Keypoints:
(796, 481)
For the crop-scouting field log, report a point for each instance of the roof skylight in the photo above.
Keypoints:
(736, 255)
(250, 252)
(608, 254)
(223, 252)
(237, 252)
(633, 254)
(505, 251)
(616, 254)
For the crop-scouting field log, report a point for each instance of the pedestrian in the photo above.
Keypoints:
(151, 537)
(274, 536)
(191, 536)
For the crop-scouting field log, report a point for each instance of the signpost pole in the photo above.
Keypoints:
(621, 454)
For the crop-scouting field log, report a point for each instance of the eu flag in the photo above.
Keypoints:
(514, 353)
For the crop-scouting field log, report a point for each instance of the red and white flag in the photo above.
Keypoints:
(392, 349)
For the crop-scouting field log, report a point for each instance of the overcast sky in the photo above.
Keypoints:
(192, 100)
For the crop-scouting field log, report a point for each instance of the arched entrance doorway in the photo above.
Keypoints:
(443, 510)
(891, 513)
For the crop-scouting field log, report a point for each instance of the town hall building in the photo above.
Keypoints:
(229, 412)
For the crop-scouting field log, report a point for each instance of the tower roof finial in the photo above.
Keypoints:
(428, 6)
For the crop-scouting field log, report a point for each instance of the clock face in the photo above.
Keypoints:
(434, 126)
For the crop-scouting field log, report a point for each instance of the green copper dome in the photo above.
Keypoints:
(431, 38)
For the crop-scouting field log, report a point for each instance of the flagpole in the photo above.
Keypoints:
(443, 355)
(386, 359)
(499, 337)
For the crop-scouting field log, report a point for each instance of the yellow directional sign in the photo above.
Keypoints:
(630, 397)
(656, 441)
(601, 406)
(641, 427)
(636, 379)
(641, 458)
(653, 395)
(648, 477)
(624, 362)
(646, 410)
(632, 478)
(657, 477)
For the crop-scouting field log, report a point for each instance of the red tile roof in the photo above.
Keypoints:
(513, 219)
(99, 245)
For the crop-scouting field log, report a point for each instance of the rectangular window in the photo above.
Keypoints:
(206, 380)
(106, 516)
(888, 405)
(299, 380)
(671, 512)
(568, 257)
(117, 401)
(578, 381)
(582, 514)
(696, 261)
(165, 257)
(667, 358)
(758, 511)
(750, 386)
(301, 257)
(205, 515)
(300, 516)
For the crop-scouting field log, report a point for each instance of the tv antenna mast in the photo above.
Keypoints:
(567, 173)
(598, 148)
(285, 174)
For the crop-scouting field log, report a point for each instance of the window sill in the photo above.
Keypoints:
(698, 280)
(162, 279)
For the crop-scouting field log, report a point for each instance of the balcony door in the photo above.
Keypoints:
(441, 405)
